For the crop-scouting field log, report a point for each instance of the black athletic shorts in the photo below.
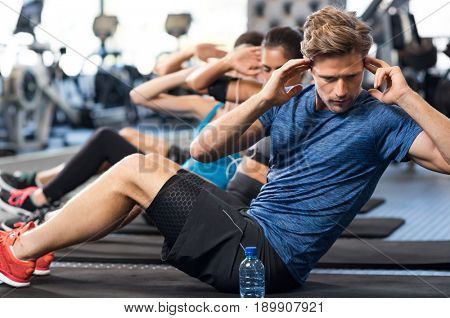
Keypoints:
(244, 188)
(211, 243)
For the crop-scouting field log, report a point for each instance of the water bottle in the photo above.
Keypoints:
(251, 275)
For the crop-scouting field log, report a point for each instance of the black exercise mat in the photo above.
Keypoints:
(139, 227)
(371, 204)
(372, 227)
(352, 253)
(162, 281)
(116, 248)
(145, 249)
(365, 228)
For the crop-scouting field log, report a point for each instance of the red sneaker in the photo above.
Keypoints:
(43, 262)
(13, 271)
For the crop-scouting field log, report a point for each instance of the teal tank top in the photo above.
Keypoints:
(220, 171)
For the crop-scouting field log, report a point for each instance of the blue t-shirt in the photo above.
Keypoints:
(219, 172)
(324, 166)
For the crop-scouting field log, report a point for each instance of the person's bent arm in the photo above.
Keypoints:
(431, 148)
(232, 132)
(245, 60)
(174, 61)
(240, 128)
(184, 106)
(144, 93)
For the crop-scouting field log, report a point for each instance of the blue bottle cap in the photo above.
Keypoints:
(250, 251)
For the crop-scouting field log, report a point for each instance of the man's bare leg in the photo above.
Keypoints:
(101, 207)
(134, 213)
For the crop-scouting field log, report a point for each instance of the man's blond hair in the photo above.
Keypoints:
(331, 31)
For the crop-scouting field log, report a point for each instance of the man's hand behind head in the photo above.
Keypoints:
(392, 76)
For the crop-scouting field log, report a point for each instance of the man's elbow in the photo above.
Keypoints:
(447, 169)
(199, 153)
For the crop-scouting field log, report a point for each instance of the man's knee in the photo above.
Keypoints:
(139, 163)
(132, 160)
(129, 165)
(154, 162)
(136, 170)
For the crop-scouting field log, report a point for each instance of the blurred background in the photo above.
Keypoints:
(90, 53)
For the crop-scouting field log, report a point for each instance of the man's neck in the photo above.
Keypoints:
(319, 104)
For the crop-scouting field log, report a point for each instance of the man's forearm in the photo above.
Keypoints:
(223, 136)
(435, 124)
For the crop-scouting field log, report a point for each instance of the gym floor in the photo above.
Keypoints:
(418, 196)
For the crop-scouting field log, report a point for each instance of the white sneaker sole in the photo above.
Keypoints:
(12, 283)
(5, 186)
(39, 272)
(13, 210)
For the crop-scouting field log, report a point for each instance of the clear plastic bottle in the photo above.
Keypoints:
(251, 275)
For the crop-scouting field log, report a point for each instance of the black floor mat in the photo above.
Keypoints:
(116, 248)
(162, 281)
(145, 249)
(371, 204)
(345, 253)
(365, 228)
(351, 253)
(372, 227)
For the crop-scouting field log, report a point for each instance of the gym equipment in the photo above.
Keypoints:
(351, 253)
(442, 95)
(178, 24)
(263, 15)
(372, 227)
(398, 43)
(109, 103)
(25, 106)
(136, 281)
(30, 96)
(371, 204)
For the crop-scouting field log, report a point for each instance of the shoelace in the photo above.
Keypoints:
(18, 197)
(20, 227)
(6, 235)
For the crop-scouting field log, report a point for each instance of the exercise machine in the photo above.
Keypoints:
(29, 96)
